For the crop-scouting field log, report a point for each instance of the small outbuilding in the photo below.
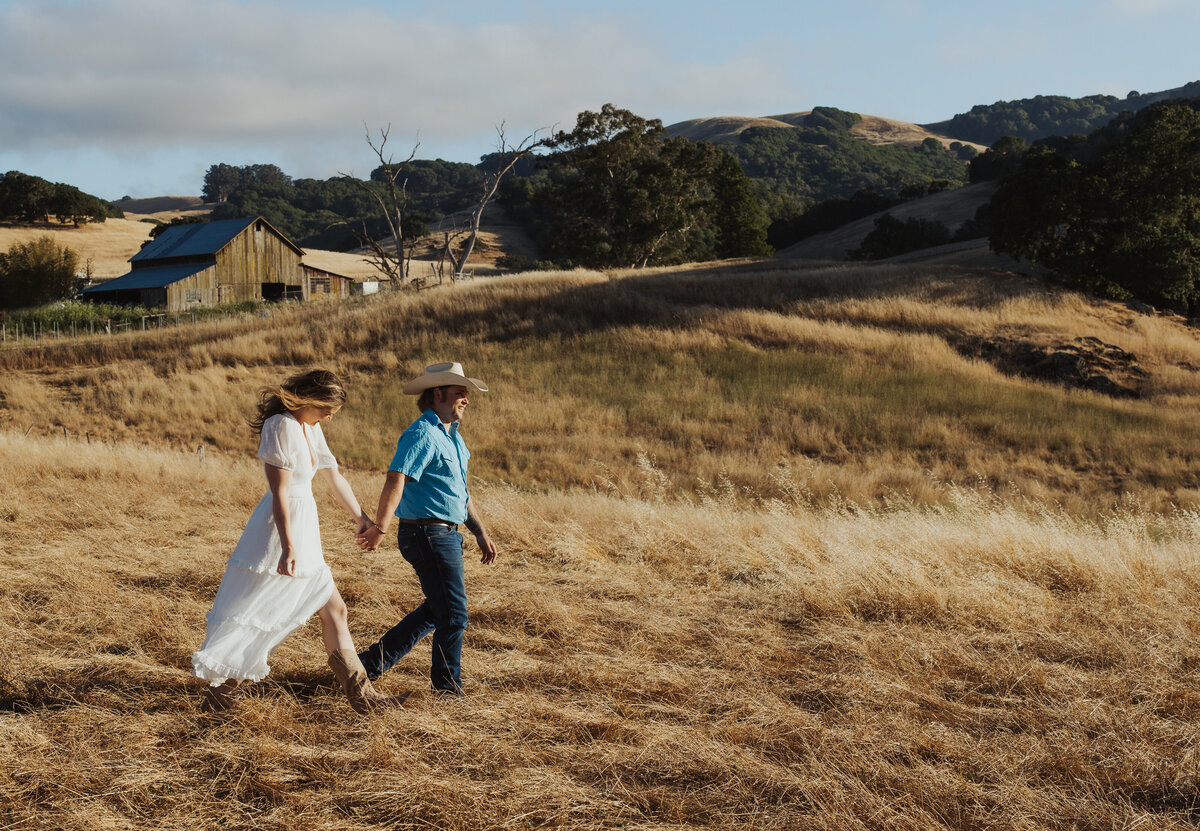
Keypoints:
(203, 264)
(319, 281)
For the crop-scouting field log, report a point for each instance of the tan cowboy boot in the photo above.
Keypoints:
(364, 698)
(218, 699)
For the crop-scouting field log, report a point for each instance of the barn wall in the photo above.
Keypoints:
(198, 290)
(254, 257)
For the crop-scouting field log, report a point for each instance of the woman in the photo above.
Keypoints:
(277, 577)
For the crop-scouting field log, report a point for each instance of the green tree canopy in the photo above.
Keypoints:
(25, 198)
(36, 272)
(1119, 214)
(1050, 115)
(617, 193)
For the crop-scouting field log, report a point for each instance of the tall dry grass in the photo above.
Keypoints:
(847, 382)
(634, 660)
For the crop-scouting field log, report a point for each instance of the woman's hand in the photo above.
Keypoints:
(364, 522)
(287, 563)
(369, 539)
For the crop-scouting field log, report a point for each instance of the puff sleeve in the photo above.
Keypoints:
(321, 449)
(280, 445)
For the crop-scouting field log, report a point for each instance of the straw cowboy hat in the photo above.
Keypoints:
(446, 374)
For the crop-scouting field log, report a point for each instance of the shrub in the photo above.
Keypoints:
(892, 236)
(36, 272)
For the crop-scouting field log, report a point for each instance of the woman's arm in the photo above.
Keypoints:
(344, 494)
(280, 480)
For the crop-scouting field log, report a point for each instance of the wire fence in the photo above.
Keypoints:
(54, 326)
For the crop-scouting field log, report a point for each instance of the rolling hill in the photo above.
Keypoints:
(869, 128)
(951, 208)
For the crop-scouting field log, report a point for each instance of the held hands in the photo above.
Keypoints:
(370, 538)
(368, 535)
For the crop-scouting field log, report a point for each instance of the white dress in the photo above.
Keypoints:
(256, 607)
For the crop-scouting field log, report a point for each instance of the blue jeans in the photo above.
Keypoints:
(435, 553)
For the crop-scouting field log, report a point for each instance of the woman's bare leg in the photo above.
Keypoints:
(335, 628)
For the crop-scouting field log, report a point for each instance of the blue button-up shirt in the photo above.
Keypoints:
(435, 461)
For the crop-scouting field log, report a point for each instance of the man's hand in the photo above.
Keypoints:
(487, 547)
(370, 539)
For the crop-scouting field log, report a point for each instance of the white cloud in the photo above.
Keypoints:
(143, 74)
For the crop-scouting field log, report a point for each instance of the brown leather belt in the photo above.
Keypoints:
(430, 521)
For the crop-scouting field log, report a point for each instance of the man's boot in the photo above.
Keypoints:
(364, 698)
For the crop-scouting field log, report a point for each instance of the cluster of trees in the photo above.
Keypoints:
(25, 198)
(335, 213)
(36, 272)
(795, 167)
(615, 192)
(1116, 213)
(1049, 115)
(838, 211)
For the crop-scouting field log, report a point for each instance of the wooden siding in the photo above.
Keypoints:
(318, 282)
(252, 258)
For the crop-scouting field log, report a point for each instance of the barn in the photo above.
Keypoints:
(207, 263)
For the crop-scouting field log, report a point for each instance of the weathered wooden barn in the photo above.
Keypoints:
(204, 264)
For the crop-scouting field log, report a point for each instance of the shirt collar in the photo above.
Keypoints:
(432, 417)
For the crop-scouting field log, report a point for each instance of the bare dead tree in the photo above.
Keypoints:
(391, 260)
(507, 157)
(450, 237)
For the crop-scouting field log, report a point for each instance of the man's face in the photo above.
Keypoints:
(451, 402)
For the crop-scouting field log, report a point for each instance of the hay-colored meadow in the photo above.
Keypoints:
(773, 554)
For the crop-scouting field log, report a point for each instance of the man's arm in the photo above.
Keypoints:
(389, 499)
(481, 536)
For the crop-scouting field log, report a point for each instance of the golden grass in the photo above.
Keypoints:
(844, 382)
(773, 555)
(107, 245)
(633, 661)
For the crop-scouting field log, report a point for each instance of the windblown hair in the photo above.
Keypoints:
(316, 388)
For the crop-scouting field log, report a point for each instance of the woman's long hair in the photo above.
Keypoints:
(316, 388)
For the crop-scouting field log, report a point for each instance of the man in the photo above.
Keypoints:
(426, 490)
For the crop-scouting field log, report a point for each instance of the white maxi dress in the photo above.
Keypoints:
(256, 607)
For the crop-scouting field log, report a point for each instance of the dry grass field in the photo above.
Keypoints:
(106, 245)
(775, 554)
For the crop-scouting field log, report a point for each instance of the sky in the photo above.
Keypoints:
(139, 97)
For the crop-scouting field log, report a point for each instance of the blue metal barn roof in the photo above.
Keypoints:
(150, 278)
(192, 240)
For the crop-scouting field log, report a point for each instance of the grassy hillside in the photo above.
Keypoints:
(852, 381)
(774, 554)
(951, 208)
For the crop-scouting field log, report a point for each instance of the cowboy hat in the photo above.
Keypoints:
(446, 374)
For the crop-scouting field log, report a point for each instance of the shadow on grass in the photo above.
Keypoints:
(132, 689)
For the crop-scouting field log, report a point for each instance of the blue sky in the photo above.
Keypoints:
(139, 97)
